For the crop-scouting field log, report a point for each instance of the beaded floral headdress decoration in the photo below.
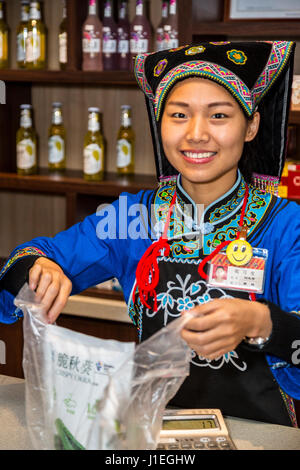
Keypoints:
(258, 75)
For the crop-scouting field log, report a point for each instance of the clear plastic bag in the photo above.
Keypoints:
(117, 404)
(158, 368)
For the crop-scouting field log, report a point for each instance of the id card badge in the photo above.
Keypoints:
(238, 269)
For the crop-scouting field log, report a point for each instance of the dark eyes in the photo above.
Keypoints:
(214, 116)
(219, 116)
(179, 115)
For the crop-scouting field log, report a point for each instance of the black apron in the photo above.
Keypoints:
(239, 383)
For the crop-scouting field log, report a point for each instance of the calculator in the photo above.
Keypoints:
(194, 429)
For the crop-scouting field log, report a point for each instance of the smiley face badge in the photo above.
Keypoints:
(239, 252)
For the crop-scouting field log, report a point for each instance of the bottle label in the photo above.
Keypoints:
(35, 12)
(139, 8)
(124, 153)
(26, 154)
(92, 7)
(164, 10)
(57, 117)
(123, 46)
(93, 124)
(109, 45)
(122, 11)
(90, 44)
(21, 46)
(172, 7)
(63, 52)
(139, 45)
(92, 159)
(56, 148)
(33, 46)
(25, 120)
(107, 10)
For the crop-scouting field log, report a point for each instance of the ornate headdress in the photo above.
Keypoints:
(258, 74)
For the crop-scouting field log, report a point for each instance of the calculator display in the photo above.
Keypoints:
(187, 424)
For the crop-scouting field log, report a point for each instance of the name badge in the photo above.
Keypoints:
(238, 269)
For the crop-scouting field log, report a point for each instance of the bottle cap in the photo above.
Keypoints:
(56, 104)
(25, 106)
(94, 110)
(125, 106)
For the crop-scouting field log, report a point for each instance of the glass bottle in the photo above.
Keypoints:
(93, 153)
(140, 32)
(123, 37)
(26, 143)
(36, 42)
(110, 37)
(22, 31)
(63, 39)
(125, 143)
(91, 40)
(160, 39)
(171, 26)
(4, 32)
(57, 140)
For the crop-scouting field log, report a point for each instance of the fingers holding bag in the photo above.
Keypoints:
(51, 285)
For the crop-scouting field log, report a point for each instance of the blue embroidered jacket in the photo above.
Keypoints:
(111, 242)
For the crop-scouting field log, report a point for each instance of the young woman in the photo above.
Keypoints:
(218, 115)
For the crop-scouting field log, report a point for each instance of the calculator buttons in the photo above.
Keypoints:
(203, 443)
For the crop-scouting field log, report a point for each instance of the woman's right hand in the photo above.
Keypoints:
(51, 285)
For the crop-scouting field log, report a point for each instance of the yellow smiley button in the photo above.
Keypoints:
(239, 252)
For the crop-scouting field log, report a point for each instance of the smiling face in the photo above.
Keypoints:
(239, 252)
(203, 132)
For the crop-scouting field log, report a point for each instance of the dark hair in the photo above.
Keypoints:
(248, 157)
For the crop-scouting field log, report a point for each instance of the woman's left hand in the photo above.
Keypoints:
(221, 324)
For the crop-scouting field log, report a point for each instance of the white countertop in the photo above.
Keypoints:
(247, 435)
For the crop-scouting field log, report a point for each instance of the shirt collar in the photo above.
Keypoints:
(215, 213)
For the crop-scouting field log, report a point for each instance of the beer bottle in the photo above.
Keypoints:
(4, 32)
(22, 32)
(92, 40)
(63, 39)
(36, 38)
(57, 140)
(125, 143)
(26, 143)
(93, 153)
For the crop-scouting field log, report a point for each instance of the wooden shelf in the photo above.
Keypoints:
(71, 181)
(103, 293)
(251, 29)
(76, 77)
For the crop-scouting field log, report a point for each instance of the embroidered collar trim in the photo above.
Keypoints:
(215, 213)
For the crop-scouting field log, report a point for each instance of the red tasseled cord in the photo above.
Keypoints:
(147, 271)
